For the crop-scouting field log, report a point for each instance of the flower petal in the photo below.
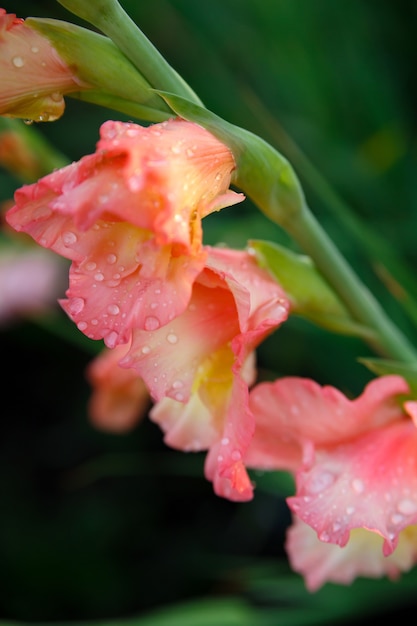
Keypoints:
(119, 398)
(292, 410)
(369, 482)
(321, 563)
(33, 76)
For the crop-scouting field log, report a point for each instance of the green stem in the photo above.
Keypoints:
(111, 19)
(313, 240)
(388, 264)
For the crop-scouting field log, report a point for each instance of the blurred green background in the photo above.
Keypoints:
(103, 527)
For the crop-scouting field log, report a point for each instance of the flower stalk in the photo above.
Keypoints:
(111, 19)
(265, 176)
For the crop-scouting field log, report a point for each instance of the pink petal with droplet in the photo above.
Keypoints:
(292, 410)
(321, 563)
(368, 482)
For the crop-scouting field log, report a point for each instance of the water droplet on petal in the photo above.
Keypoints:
(145, 349)
(111, 339)
(99, 276)
(179, 396)
(172, 338)
(82, 326)
(396, 518)
(357, 485)
(321, 481)
(151, 323)
(69, 238)
(111, 258)
(35, 49)
(76, 305)
(236, 456)
(113, 309)
(90, 266)
(18, 61)
(177, 384)
(225, 441)
(407, 507)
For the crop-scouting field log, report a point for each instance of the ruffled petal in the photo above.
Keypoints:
(292, 411)
(170, 358)
(33, 76)
(225, 465)
(369, 482)
(119, 398)
(321, 563)
(129, 217)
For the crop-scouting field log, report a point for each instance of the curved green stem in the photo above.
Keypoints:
(111, 19)
(310, 236)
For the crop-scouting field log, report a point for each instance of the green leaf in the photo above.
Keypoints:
(111, 19)
(383, 367)
(99, 64)
(310, 295)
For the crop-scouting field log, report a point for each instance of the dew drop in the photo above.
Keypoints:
(76, 305)
(99, 276)
(35, 49)
(145, 349)
(90, 266)
(113, 309)
(69, 238)
(177, 384)
(321, 481)
(407, 507)
(82, 326)
(151, 323)
(111, 258)
(172, 338)
(111, 339)
(179, 396)
(357, 485)
(350, 510)
(18, 61)
(225, 441)
(56, 96)
(396, 518)
(236, 456)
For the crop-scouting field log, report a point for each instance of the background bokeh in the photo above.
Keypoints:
(103, 527)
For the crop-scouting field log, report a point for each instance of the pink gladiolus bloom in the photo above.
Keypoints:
(119, 397)
(29, 282)
(33, 76)
(199, 366)
(355, 460)
(129, 218)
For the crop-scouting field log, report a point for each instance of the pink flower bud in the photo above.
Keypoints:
(33, 76)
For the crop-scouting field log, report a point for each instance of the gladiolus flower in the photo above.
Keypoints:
(199, 366)
(33, 76)
(29, 282)
(119, 396)
(129, 218)
(355, 463)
